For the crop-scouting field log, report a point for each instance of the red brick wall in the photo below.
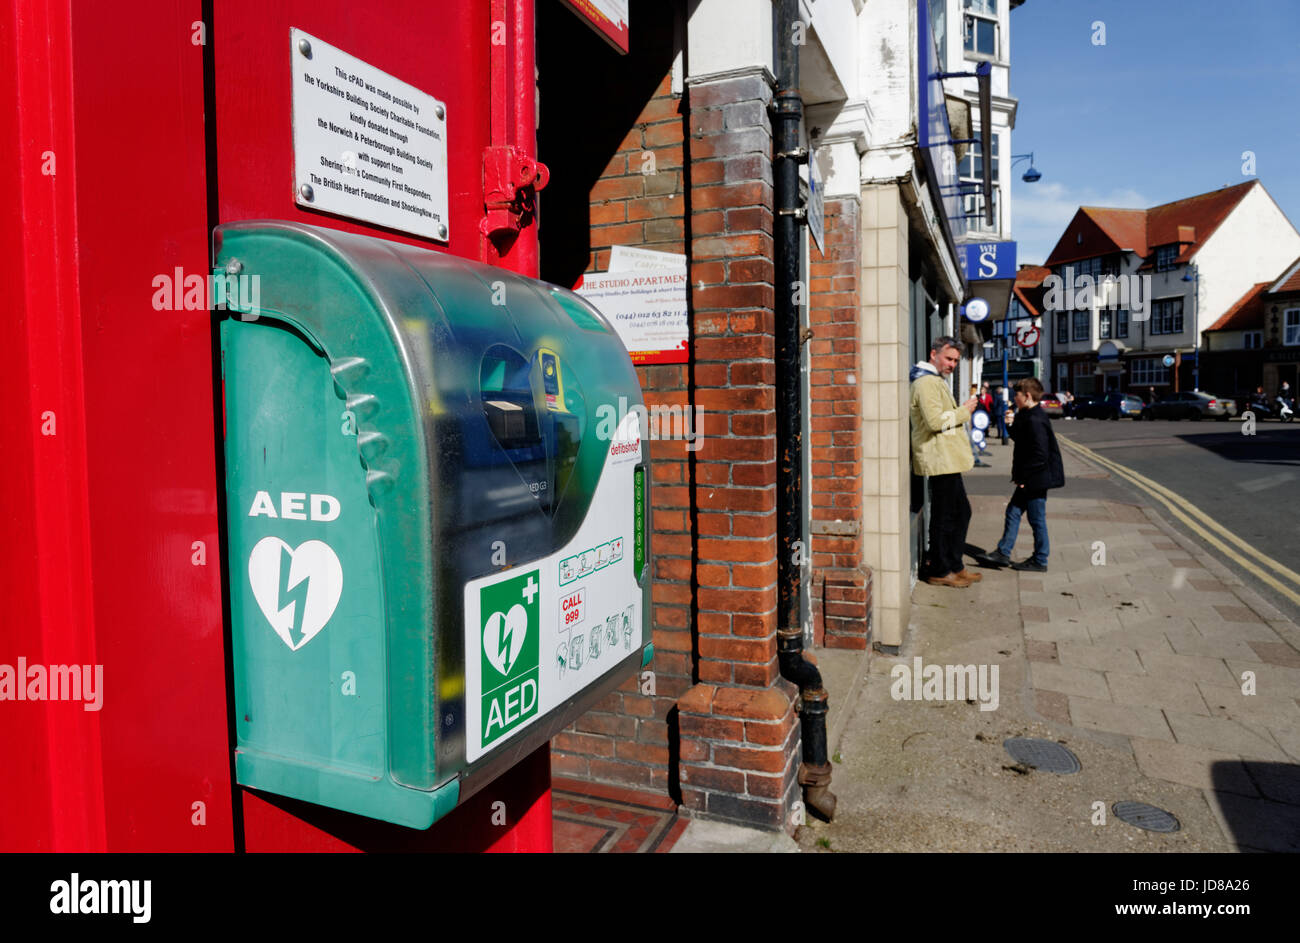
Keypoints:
(841, 590)
(626, 737)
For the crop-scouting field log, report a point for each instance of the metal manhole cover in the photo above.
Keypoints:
(1145, 816)
(1042, 754)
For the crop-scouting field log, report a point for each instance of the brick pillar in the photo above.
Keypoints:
(628, 737)
(739, 739)
(841, 590)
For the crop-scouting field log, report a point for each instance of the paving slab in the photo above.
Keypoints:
(1193, 766)
(1177, 694)
(1224, 735)
(1192, 667)
(1128, 719)
(1066, 680)
(1100, 657)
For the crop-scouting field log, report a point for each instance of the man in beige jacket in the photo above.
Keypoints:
(941, 452)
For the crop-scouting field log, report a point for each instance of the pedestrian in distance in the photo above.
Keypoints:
(1001, 405)
(1035, 468)
(939, 451)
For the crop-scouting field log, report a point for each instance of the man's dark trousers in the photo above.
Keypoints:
(949, 520)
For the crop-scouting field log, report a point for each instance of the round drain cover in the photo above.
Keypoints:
(1045, 755)
(1145, 816)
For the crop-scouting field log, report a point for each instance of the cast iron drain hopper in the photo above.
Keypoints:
(1145, 816)
(1042, 755)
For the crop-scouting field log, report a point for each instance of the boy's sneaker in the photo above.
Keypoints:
(994, 559)
(1030, 566)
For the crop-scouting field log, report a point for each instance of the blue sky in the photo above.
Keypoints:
(1163, 110)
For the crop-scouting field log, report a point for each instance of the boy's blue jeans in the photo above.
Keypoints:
(1035, 503)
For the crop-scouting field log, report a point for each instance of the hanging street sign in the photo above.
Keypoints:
(607, 17)
(977, 309)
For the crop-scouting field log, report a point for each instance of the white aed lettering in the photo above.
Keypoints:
(294, 506)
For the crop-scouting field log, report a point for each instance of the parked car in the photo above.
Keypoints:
(1113, 405)
(1190, 406)
(1076, 407)
(1052, 406)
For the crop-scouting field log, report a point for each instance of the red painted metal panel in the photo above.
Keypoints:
(142, 216)
(105, 519)
(49, 799)
(440, 48)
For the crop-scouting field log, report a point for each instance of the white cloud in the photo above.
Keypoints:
(1041, 211)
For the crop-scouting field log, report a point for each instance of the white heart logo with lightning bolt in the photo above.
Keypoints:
(297, 589)
(503, 637)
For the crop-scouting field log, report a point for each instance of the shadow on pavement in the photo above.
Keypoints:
(1268, 822)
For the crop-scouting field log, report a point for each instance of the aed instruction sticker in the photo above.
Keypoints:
(533, 643)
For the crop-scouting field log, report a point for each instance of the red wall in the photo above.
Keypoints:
(101, 519)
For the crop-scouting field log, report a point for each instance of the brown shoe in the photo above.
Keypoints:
(952, 579)
(971, 576)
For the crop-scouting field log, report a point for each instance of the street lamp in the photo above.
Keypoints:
(1031, 175)
(1193, 275)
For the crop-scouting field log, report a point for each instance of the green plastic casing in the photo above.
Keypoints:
(362, 469)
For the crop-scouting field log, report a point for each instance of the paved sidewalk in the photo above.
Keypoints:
(1136, 650)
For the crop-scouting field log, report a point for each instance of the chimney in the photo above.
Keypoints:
(1186, 234)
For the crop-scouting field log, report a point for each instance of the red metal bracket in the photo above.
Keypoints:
(511, 180)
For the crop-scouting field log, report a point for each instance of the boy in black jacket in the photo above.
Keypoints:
(1035, 467)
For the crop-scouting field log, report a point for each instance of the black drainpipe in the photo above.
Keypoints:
(787, 112)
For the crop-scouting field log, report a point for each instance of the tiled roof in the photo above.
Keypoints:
(1247, 314)
(1204, 212)
(1105, 230)
(1126, 228)
(1291, 274)
(1029, 287)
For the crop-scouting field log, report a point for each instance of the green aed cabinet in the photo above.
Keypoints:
(437, 501)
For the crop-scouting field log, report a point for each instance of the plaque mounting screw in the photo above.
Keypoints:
(442, 231)
(306, 192)
(440, 112)
(304, 47)
(234, 267)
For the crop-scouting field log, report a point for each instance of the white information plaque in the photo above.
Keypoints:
(365, 144)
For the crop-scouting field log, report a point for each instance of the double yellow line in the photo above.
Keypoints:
(1204, 526)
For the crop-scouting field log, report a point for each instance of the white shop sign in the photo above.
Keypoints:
(366, 145)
